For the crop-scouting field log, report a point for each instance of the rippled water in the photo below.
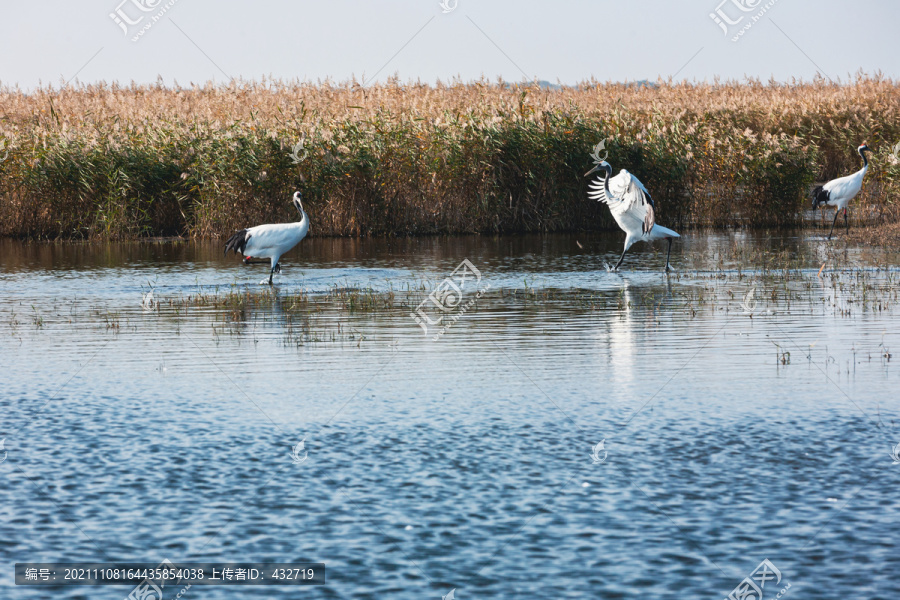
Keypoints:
(732, 433)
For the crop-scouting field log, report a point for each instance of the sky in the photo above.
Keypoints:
(54, 42)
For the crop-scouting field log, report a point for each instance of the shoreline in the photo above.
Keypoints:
(885, 234)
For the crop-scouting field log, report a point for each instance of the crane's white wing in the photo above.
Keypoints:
(597, 191)
(630, 204)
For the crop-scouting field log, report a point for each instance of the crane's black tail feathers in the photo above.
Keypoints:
(819, 196)
(237, 242)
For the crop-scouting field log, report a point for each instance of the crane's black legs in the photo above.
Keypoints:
(846, 222)
(276, 268)
(668, 252)
(836, 214)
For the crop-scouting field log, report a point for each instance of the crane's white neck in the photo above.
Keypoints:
(303, 224)
(299, 206)
(606, 173)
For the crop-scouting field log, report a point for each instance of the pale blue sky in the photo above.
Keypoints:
(199, 40)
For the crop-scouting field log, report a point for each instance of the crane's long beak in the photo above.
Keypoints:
(594, 170)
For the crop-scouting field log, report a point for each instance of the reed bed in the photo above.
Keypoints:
(111, 161)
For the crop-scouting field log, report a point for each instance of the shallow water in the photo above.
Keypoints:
(747, 404)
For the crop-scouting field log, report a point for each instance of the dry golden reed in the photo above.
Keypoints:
(116, 161)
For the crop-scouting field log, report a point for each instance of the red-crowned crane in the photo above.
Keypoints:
(631, 206)
(270, 241)
(839, 192)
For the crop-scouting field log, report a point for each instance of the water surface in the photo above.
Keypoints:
(747, 404)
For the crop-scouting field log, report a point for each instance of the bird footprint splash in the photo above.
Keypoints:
(147, 301)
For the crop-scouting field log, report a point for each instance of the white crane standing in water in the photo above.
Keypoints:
(270, 241)
(631, 206)
(839, 192)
